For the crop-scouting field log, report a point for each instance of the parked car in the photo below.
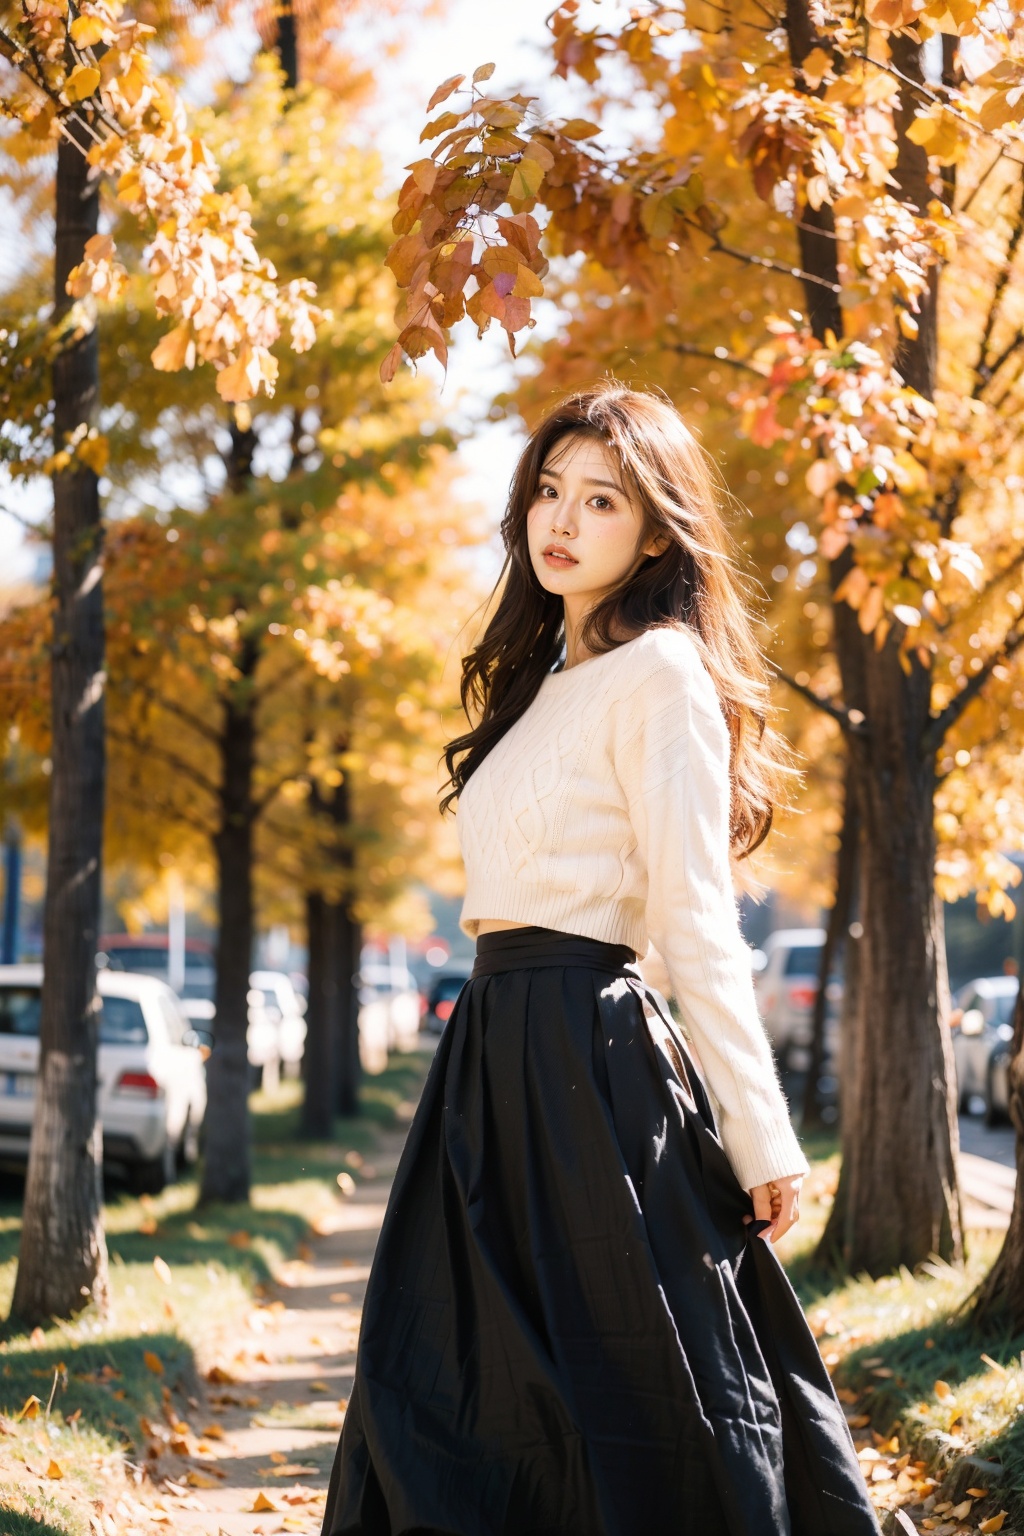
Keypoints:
(268, 1046)
(390, 1004)
(285, 1010)
(982, 1031)
(441, 998)
(785, 986)
(152, 1082)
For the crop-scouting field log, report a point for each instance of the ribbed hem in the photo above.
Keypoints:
(512, 901)
(763, 1149)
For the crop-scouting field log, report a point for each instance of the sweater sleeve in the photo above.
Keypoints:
(673, 762)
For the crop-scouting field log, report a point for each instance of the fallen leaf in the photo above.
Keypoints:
(994, 1523)
(162, 1270)
(30, 1409)
(200, 1480)
(153, 1363)
(239, 1239)
(263, 1505)
(213, 1432)
(978, 1493)
(55, 1470)
(279, 1456)
(962, 1510)
(943, 1391)
(218, 1376)
(319, 1386)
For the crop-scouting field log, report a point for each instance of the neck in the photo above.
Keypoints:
(574, 615)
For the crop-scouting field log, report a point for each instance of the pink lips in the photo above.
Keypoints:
(558, 557)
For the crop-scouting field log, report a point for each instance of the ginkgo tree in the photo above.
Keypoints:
(883, 145)
(79, 84)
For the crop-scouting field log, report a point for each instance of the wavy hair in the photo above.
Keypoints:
(693, 583)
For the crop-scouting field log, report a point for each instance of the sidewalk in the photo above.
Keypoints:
(279, 1387)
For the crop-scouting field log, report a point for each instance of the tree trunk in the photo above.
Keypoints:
(349, 942)
(897, 1201)
(835, 934)
(63, 1257)
(1001, 1294)
(226, 1169)
(318, 1105)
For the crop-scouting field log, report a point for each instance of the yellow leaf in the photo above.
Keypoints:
(526, 180)
(162, 1269)
(993, 1523)
(30, 1409)
(81, 82)
(94, 450)
(86, 31)
(200, 1480)
(943, 1391)
(153, 1363)
(263, 1505)
(55, 1470)
(579, 128)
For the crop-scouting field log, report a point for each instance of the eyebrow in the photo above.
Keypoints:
(554, 475)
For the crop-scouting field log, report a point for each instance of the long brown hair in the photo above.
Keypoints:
(692, 583)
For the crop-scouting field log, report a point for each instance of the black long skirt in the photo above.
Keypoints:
(571, 1325)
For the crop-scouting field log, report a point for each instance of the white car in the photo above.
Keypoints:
(285, 1009)
(786, 986)
(982, 1025)
(152, 1081)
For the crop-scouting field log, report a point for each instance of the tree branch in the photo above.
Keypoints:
(935, 732)
(260, 802)
(688, 349)
(765, 262)
(983, 369)
(179, 764)
(839, 713)
(179, 712)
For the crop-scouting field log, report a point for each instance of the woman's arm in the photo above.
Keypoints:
(673, 761)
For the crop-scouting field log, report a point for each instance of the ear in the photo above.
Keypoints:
(656, 546)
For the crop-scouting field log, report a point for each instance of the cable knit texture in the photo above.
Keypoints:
(604, 811)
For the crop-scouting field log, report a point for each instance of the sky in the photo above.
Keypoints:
(457, 37)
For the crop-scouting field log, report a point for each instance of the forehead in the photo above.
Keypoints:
(580, 455)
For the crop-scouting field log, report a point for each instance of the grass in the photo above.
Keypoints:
(907, 1364)
(178, 1276)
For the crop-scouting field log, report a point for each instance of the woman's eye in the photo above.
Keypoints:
(602, 503)
(547, 491)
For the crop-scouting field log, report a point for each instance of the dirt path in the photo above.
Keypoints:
(277, 1388)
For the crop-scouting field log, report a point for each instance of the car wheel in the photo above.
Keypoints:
(995, 1114)
(152, 1175)
(188, 1146)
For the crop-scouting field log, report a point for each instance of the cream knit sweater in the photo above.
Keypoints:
(604, 811)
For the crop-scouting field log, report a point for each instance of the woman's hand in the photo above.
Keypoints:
(779, 1203)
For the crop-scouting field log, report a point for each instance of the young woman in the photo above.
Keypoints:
(574, 1323)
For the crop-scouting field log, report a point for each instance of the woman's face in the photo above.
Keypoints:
(583, 529)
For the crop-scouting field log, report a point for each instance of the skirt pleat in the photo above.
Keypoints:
(570, 1326)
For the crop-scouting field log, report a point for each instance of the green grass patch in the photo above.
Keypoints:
(180, 1276)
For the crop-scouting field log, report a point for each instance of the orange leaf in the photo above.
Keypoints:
(943, 1391)
(263, 1505)
(55, 1470)
(30, 1409)
(993, 1523)
(444, 90)
(153, 1363)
